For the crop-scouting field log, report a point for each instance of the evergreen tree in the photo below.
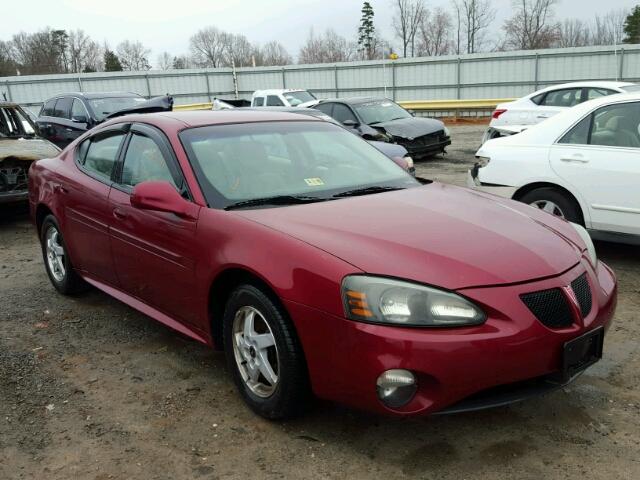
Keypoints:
(632, 26)
(111, 61)
(366, 32)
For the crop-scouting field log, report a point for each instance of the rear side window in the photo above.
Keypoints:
(63, 108)
(143, 162)
(274, 101)
(598, 92)
(48, 109)
(258, 102)
(566, 97)
(579, 134)
(101, 154)
(325, 108)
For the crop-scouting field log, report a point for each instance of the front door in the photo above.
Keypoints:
(600, 156)
(153, 252)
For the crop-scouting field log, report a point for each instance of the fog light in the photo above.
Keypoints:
(396, 387)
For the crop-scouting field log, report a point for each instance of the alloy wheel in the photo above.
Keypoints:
(55, 254)
(549, 207)
(255, 351)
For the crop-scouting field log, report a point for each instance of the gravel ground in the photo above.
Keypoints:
(91, 389)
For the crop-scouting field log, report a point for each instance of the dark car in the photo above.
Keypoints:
(19, 147)
(64, 118)
(384, 120)
(397, 153)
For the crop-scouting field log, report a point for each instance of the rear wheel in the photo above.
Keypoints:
(264, 354)
(555, 202)
(57, 263)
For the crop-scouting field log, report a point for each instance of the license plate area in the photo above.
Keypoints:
(582, 352)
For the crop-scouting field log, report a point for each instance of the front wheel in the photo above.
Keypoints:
(56, 260)
(554, 202)
(264, 354)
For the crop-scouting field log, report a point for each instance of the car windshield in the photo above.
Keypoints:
(296, 98)
(104, 106)
(308, 160)
(15, 123)
(631, 88)
(380, 111)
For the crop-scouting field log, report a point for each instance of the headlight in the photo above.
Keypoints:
(394, 302)
(483, 161)
(446, 132)
(586, 238)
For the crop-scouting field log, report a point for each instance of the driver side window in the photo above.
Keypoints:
(143, 162)
(342, 113)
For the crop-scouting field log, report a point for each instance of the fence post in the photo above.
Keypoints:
(206, 77)
(393, 80)
(536, 78)
(621, 75)
(284, 78)
(458, 78)
(79, 83)
(335, 79)
(9, 91)
(146, 77)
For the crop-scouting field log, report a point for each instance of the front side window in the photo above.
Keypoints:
(78, 111)
(143, 162)
(105, 106)
(260, 160)
(567, 97)
(14, 123)
(593, 92)
(326, 108)
(342, 113)
(274, 101)
(48, 108)
(380, 111)
(101, 154)
(617, 125)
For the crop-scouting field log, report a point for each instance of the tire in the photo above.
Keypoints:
(289, 395)
(56, 261)
(556, 202)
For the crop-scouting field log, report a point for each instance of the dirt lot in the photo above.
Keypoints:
(91, 389)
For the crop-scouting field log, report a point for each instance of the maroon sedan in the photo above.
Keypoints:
(321, 267)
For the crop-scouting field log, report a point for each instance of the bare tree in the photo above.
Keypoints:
(473, 18)
(84, 55)
(273, 53)
(41, 52)
(327, 48)
(237, 51)
(406, 23)
(608, 29)
(133, 56)
(165, 61)
(532, 25)
(434, 35)
(8, 64)
(208, 46)
(573, 32)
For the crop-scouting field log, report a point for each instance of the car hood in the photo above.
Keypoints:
(26, 149)
(435, 234)
(410, 128)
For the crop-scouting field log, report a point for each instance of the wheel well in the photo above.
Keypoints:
(522, 191)
(220, 290)
(41, 213)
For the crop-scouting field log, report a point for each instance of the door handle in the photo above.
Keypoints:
(119, 213)
(69, 129)
(575, 159)
(543, 116)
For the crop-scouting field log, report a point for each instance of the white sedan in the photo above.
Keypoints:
(545, 103)
(583, 165)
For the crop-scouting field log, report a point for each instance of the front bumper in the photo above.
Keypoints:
(452, 365)
(417, 151)
(473, 181)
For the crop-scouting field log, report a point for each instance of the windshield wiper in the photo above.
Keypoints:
(366, 191)
(277, 200)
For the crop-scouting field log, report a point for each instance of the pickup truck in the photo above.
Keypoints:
(283, 98)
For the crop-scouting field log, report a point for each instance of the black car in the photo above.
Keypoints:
(64, 118)
(384, 120)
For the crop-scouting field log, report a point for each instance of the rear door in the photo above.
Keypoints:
(600, 157)
(153, 252)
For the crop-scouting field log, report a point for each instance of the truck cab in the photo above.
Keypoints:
(283, 98)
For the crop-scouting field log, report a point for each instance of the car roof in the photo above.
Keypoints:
(277, 91)
(94, 95)
(355, 100)
(201, 118)
(594, 84)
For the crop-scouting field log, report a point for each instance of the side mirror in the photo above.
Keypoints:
(350, 123)
(80, 119)
(162, 197)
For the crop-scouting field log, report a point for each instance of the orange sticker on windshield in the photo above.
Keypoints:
(314, 182)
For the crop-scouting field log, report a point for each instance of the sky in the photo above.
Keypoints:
(167, 26)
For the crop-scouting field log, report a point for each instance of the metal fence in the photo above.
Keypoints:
(476, 76)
